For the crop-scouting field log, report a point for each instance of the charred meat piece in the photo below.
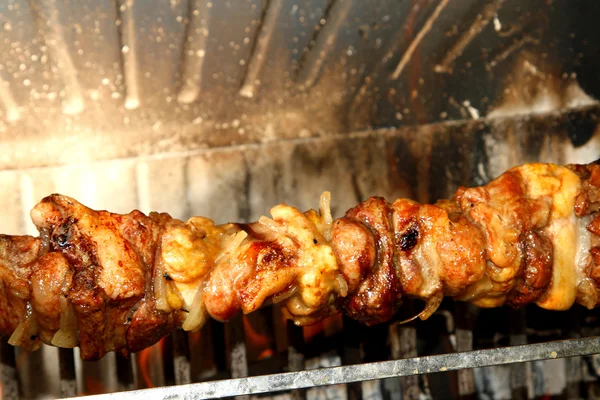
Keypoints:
(110, 282)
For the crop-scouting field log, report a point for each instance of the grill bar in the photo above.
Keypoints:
(404, 345)
(124, 371)
(51, 26)
(261, 47)
(370, 371)
(68, 380)
(8, 372)
(295, 355)
(463, 336)
(325, 39)
(181, 355)
(238, 356)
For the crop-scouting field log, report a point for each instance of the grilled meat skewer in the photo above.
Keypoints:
(109, 282)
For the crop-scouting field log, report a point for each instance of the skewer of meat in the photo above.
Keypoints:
(109, 282)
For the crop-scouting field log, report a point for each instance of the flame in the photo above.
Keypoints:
(258, 342)
(146, 358)
(266, 353)
(329, 326)
(194, 338)
(93, 385)
(311, 331)
(143, 362)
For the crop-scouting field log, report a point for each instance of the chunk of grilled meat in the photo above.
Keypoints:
(109, 282)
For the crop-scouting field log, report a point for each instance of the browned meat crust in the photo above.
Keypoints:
(110, 282)
(378, 294)
(18, 254)
(535, 272)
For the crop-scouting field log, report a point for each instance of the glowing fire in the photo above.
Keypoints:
(93, 385)
(327, 327)
(143, 362)
(256, 341)
(194, 339)
(146, 359)
(310, 331)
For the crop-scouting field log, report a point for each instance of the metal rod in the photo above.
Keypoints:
(295, 355)
(128, 42)
(9, 378)
(68, 381)
(194, 51)
(464, 317)
(482, 20)
(51, 27)
(404, 345)
(520, 374)
(261, 47)
(369, 371)
(325, 40)
(352, 354)
(418, 38)
(516, 45)
(11, 107)
(125, 378)
(181, 358)
(238, 356)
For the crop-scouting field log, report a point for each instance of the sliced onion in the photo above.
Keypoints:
(342, 285)
(238, 239)
(16, 339)
(27, 328)
(271, 224)
(432, 305)
(160, 289)
(286, 294)
(409, 320)
(297, 308)
(325, 210)
(196, 317)
(167, 296)
(587, 295)
(233, 242)
(66, 336)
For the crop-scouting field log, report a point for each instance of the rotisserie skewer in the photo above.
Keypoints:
(110, 282)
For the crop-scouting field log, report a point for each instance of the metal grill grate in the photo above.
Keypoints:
(371, 371)
(434, 359)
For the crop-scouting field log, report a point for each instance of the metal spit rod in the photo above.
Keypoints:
(365, 372)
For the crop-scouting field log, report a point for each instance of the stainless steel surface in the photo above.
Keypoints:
(153, 77)
(424, 163)
(369, 371)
